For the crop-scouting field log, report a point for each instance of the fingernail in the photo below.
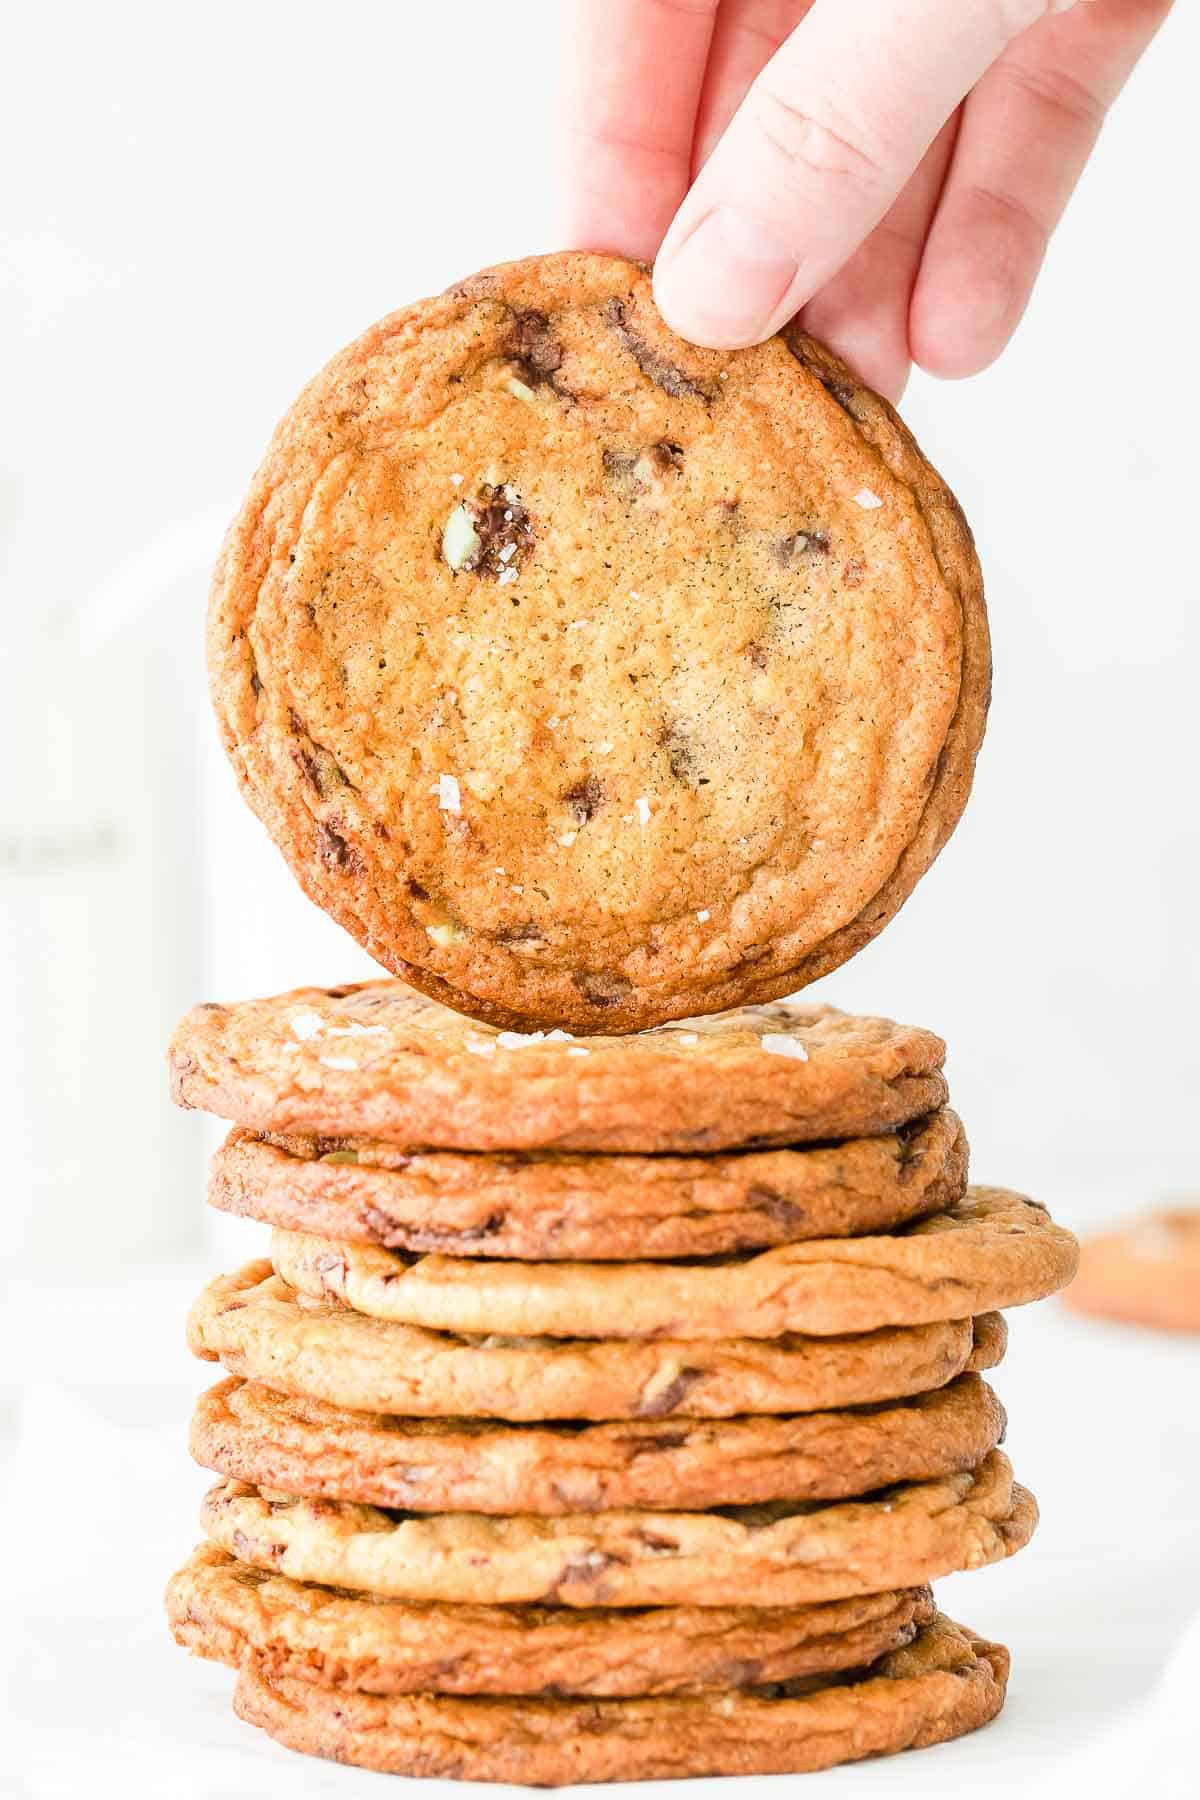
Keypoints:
(725, 285)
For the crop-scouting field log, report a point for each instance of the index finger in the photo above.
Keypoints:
(632, 82)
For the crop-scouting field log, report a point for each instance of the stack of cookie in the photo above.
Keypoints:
(607, 1404)
(608, 1401)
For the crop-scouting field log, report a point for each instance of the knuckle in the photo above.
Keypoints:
(810, 145)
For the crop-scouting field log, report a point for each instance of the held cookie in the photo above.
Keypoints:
(994, 1249)
(775, 1555)
(267, 1439)
(946, 1683)
(259, 1329)
(1147, 1273)
(554, 1205)
(288, 1630)
(380, 1060)
(589, 678)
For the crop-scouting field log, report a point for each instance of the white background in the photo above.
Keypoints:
(201, 204)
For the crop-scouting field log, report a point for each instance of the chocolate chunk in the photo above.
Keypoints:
(319, 770)
(835, 380)
(585, 1568)
(585, 799)
(536, 348)
(801, 543)
(249, 1550)
(784, 1212)
(333, 1264)
(503, 527)
(656, 1540)
(600, 989)
(665, 1402)
(653, 364)
(682, 756)
(336, 853)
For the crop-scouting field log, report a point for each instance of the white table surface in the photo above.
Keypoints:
(100, 1503)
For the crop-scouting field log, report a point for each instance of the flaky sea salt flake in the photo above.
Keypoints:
(337, 1062)
(448, 793)
(867, 500)
(779, 1043)
(306, 1025)
(643, 809)
(703, 916)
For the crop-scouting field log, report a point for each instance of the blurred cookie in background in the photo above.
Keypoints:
(1146, 1272)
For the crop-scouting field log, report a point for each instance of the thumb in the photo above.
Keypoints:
(820, 147)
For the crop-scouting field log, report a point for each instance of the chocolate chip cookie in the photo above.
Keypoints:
(946, 1683)
(551, 1204)
(588, 678)
(994, 1249)
(294, 1445)
(233, 1613)
(1145, 1273)
(259, 1329)
(379, 1060)
(782, 1554)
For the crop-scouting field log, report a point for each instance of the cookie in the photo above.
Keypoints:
(259, 1329)
(550, 1204)
(1146, 1273)
(994, 1249)
(946, 1683)
(288, 1630)
(381, 1061)
(297, 1446)
(782, 1554)
(588, 678)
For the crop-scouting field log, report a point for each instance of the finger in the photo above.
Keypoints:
(1026, 135)
(827, 136)
(632, 81)
(746, 37)
(862, 313)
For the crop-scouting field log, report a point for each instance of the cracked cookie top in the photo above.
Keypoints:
(588, 678)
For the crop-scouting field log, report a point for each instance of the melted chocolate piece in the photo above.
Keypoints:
(653, 364)
(536, 348)
(503, 526)
(585, 799)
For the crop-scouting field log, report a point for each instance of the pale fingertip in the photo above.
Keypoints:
(729, 283)
(961, 317)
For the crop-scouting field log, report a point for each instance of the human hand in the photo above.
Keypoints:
(889, 169)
